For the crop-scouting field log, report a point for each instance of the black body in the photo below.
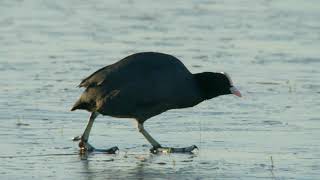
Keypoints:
(146, 84)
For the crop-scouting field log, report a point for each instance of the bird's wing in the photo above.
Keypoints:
(96, 78)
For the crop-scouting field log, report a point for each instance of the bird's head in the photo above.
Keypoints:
(216, 84)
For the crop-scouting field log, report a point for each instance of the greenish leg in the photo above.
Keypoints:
(158, 148)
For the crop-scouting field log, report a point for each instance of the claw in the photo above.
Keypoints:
(115, 149)
(77, 138)
(112, 150)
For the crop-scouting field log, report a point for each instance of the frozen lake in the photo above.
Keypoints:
(270, 48)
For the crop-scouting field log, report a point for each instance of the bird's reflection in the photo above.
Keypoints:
(128, 165)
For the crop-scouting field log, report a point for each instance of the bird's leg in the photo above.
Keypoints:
(85, 146)
(158, 148)
(149, 138)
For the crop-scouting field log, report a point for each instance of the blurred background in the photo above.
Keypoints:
(270, 48)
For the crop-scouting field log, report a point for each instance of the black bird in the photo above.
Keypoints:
(144, 85)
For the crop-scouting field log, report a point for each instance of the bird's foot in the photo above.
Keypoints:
(112, 150)
(189, 149)
(85, 147)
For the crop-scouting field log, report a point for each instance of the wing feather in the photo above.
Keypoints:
(96, 78)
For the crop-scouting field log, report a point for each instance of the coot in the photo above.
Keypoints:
(144, 85)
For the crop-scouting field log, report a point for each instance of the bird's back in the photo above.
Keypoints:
(134, 66)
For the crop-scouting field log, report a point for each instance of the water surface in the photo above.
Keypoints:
(270, 48)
